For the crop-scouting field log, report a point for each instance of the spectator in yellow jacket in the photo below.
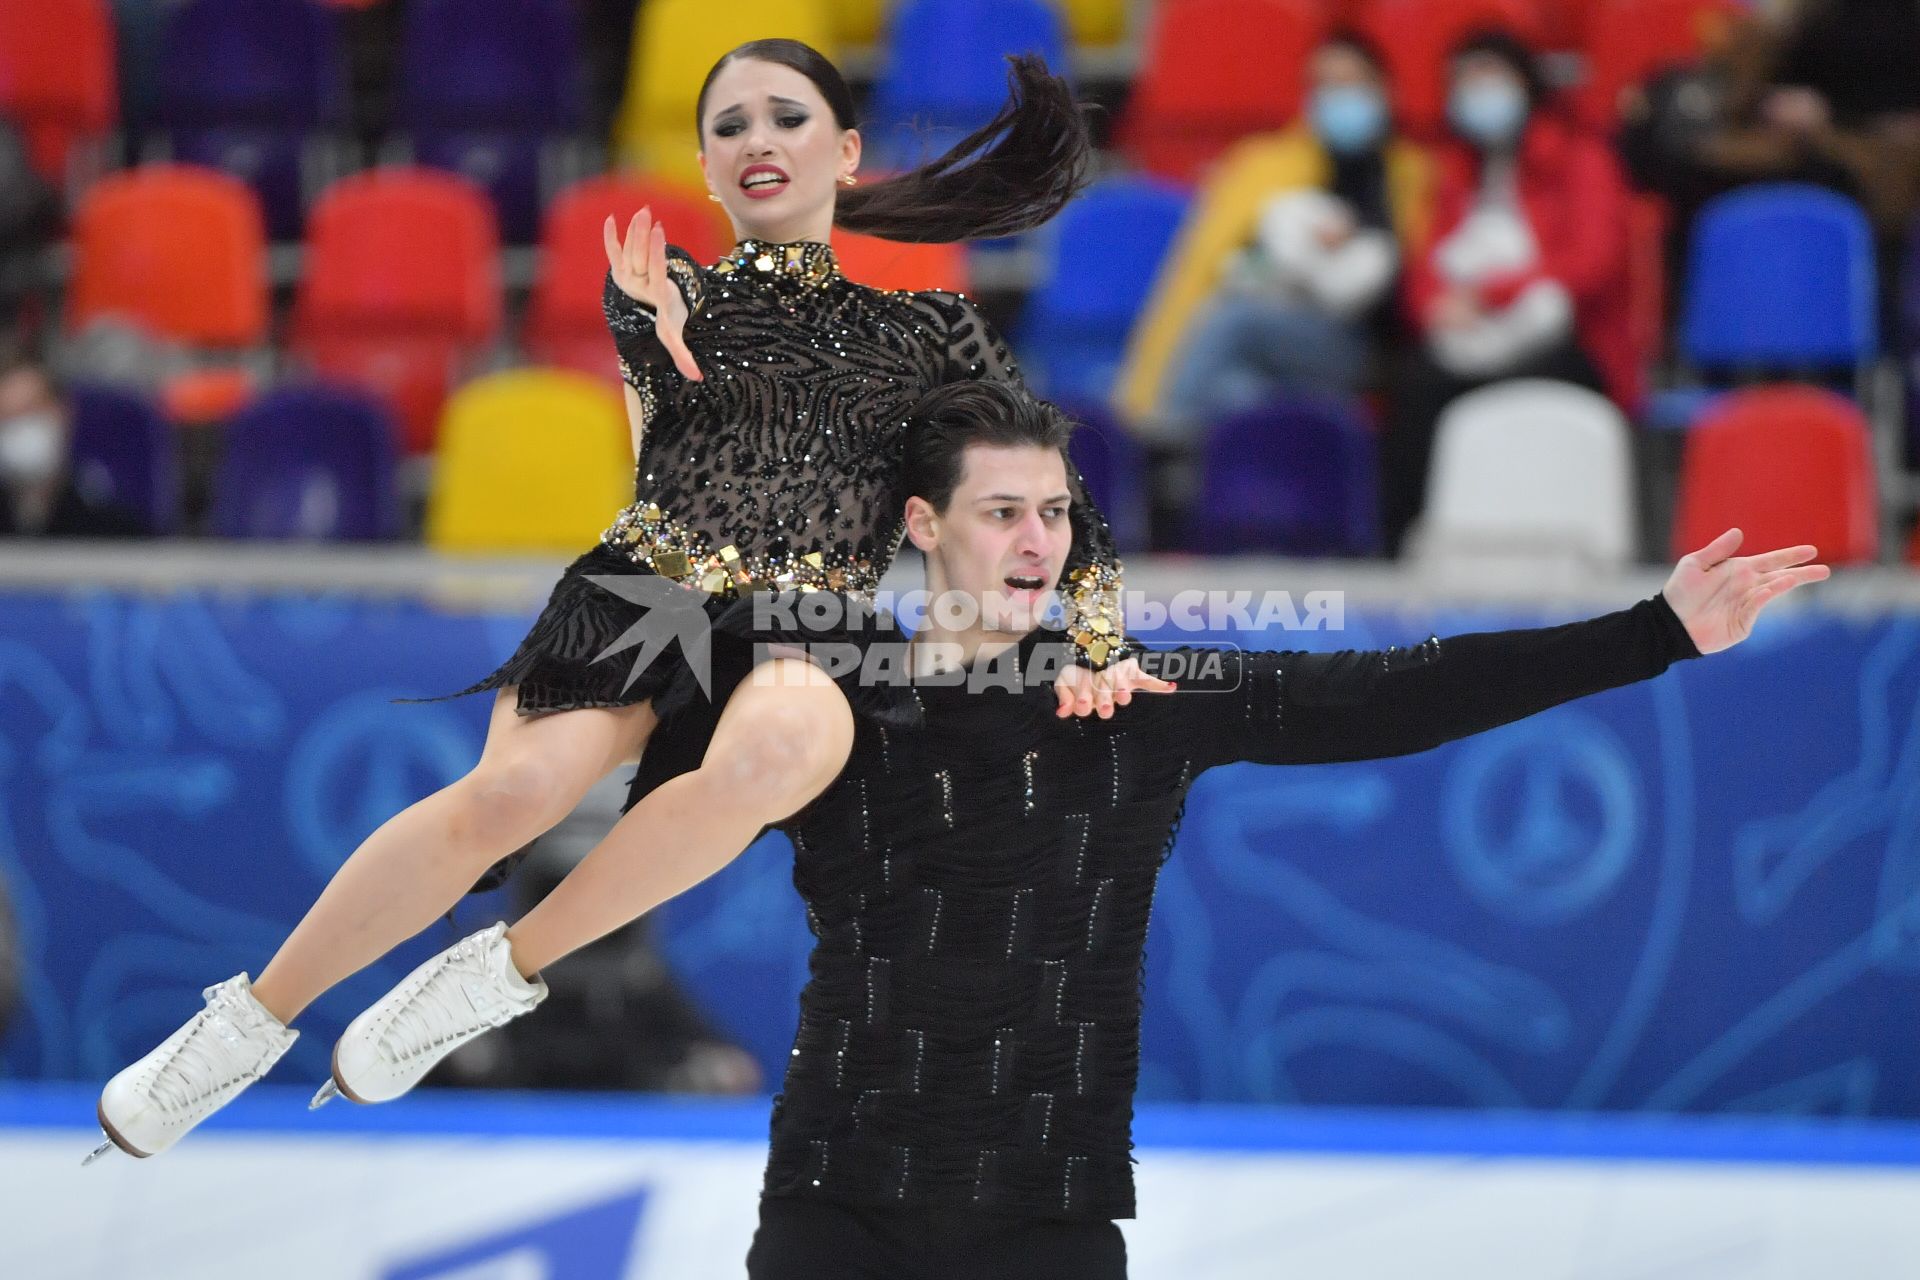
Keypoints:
(1284, 270)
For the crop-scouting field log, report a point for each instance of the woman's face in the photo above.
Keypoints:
(1339, 66)
(772, 151)
(1487, 100)
(1346, 100)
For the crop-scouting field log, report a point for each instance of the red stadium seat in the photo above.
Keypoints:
(1213, 72)
(1416, 37)
(1647, 221)
(1786, 465)
(1630, 41)
(57, 77)
(178, 249)
(401, 288)
(564, 324)
(888, 264)
(1913, 548)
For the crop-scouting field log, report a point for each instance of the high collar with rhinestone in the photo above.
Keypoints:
(809, 261)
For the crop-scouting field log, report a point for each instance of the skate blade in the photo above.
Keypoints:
(327, 1093)
(106, 1145)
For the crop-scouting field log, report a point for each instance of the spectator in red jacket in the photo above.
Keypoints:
(1522, 273)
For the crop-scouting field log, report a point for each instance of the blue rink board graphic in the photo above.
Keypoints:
(1700, 894)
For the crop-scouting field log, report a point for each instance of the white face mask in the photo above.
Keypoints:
(30, 447)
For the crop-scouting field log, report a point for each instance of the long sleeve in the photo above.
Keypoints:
(1091, 585)
(1307, 708)
(632, 321)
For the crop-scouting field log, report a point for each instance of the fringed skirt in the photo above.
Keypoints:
(614, 633)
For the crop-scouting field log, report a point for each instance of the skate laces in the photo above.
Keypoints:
(457, 999)
(222, 1049)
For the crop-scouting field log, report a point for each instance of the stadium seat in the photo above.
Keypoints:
(1298, 475)
(177, 249)
(1530, 470)
(1212, 72)
(1095, 23)
(402, 287)
(1913, 547)
(675, 42)
(532, 460)
(565, 326)
(1780, 276)
(1103, 254)
(492, 89)
(857, 22)
(1786, 465)
(256, 88)
(889, 264)
(308, 462)
(123, 453)
(1416, 37)
(944, 71)
(1646, 286)
(1113, 466)
(1628, 42)
(1910, 338)
(57, 78)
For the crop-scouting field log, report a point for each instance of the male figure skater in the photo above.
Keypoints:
(959, 1095)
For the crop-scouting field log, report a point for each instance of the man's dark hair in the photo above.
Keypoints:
(951, 417)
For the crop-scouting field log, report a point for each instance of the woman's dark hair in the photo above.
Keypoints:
(956, 415)
(1512, 50)
(1011, 174)
(1352, 38)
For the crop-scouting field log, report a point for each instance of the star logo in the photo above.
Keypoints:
(673, 612)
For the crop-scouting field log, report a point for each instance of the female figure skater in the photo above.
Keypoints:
(767, 396)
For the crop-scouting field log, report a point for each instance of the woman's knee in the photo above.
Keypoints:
(785, 744)
(516, 795)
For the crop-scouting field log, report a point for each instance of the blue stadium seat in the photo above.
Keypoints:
(253, 87)
(123, 453)
(1780, 276)
(488, 89)
(945, 72)
(1105, 250)
(1296, 476)
(308, 462)
(1113, 466)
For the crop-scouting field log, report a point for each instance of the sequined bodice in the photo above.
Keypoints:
(791, 446)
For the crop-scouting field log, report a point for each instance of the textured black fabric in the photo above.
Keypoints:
(791, 444)
(820, 1240)
(979, 890)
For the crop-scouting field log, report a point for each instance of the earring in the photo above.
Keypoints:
(711, 196)
(848, 179)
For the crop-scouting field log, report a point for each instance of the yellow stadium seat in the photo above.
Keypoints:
(1094, 22)
(859, 21)
(534, 460)
(674, 44)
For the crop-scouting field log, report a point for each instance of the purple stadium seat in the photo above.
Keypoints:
(123, 452)
(487, 86)
(1296, 476)
(308, 462)
(249, 86)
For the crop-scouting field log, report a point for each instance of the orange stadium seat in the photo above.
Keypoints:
(1214, 71)
(178, 249)
(1786, 465)
(1630, 41)
(1415, 37)
(401, 288)
(564, 324)
(57, 78)
(889, 264)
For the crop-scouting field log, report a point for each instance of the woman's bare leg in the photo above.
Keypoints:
(783, 736)
(409, 872)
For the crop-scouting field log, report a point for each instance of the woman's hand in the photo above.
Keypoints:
(1081, 691)
(1718, 595)
(640, 269)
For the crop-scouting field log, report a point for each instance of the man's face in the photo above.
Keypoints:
(1004, 537)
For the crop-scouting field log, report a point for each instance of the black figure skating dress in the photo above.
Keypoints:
(779, 473)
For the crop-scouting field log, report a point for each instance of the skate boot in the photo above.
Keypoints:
(460, 994)
(197, 1070)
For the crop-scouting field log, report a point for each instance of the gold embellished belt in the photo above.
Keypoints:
(655, 540)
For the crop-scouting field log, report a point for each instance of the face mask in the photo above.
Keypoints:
(1489, 112)
(30, 447)
(1348, 118)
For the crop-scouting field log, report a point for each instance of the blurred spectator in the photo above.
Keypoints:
(29, 217)
(38, 494)
(1282, 272)
(1825, 94)
(1523, 273)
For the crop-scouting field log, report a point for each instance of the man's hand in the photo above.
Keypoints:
(1081, 691)
(639, 265)
(1719, 596)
